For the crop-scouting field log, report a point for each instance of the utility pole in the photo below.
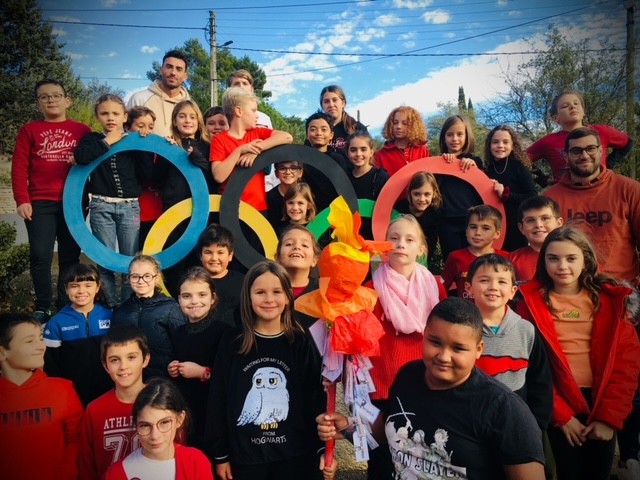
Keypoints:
(631, 52)
(213, 45)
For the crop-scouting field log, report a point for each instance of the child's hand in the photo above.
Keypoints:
(72, 160)
(171, 140)
(190, 370)
(144, 131)
(223, 471)
(173, 369)
(114, 136)
(25, 211)
(251, 147)
(498, 187)
(329, 425)
(466, 164)
(246, 160)
(328, 472)
(449, 157)
(599, 431)
(575, 432)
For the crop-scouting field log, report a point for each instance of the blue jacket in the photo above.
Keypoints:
(73, 351)
(69, 325)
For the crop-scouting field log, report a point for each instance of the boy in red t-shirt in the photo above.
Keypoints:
(39, 415)
(538, 216)
(484, 225)
(242, 143)
(108, 434)
(42, 159)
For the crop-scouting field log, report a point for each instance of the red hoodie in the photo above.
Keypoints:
(39, 429)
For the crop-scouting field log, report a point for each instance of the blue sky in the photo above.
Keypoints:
(304, 45)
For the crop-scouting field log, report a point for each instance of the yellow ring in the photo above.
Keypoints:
(170, 219)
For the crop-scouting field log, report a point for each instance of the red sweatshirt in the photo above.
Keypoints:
(39, 429)
(41, 159)
(392, 159)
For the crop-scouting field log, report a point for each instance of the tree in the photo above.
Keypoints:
(435, 122)
(562, 65)
(82, 108)
(462, 104)
(199, 81)
(28, 53)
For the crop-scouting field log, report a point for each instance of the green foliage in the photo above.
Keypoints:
(29, 52)
(435, 122)
(562, 65)
(14, 260)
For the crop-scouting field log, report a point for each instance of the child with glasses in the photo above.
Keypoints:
(159, 413)
(568, 111)
(41, 162)
(157, 315)
(288, 173)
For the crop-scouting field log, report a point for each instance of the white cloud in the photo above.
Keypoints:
(412, 4)
(131, 75)
(515, 13)
(113, 3)
(450, 35)
(112, 54)
(76, 56)
(410, 44)
(149, 49)
(387, 20)
(502, 3)
(64, 18)
(408, 36)
(58, 32)
(369, 33)
(437, 17)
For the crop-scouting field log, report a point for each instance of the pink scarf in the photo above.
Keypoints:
(406, 303)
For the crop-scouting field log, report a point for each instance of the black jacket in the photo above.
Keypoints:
(158, 317)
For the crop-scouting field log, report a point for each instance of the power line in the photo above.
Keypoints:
(126, 26)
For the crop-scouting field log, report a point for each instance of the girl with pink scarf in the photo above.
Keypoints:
(408, 292)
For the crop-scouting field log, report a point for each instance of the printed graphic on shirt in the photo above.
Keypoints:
(120, 437)
(56, 145)
(22, 418)
(412, 457)
(572, 314)
(267, 403)
(104, 323)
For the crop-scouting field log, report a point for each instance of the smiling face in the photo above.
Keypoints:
(407, 244)
(333, 106)
(537, 224)
(570, 110)
(449, 351)
(585, 167)
(268, 299)
(296, 251)
(141, 287)
(82, 294)
(491, 290)
(288, 172)
(360, 152)
(421, 198)
(187, 122)
(501, 145)
(124, 364)
(111, 116)
(400, 125)
(455, 138)
(481, 233)
(215, 259)
(52, 101)
(26, 349)
(564, 262)
(296, 209)
(319, 133)
(196, 300)
(173, 73)
(158, 445)
(216, 124)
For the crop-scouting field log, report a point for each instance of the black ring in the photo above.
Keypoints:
(230, 202)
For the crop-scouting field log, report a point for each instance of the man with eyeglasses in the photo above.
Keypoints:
(605, 204)
(42, 159)
(164, 94)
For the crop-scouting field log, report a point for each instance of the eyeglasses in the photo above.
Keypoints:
(56, 97)
(135, 278)
(163, 426)
(533, 221)
(576, 152)
(292, 168)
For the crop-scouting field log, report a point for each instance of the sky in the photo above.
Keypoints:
(304, 45)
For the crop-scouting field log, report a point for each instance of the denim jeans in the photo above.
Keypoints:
(46, 225)
(115, 224)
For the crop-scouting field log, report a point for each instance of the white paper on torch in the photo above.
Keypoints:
(332, 362)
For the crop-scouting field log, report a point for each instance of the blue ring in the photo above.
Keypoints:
(98, 252)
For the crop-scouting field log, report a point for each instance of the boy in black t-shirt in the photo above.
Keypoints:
(447, 418)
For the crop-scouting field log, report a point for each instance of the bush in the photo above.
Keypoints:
(14, 261)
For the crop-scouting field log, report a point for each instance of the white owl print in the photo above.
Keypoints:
(267, 403)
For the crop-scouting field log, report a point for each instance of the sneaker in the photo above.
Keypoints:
(42, 316)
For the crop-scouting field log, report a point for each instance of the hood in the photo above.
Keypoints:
(155, 88)
(603, 178)
(7, 387)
